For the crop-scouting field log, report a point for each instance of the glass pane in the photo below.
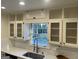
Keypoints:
(11, 29)
(71, 12)
(44, 30)
(34, 30)
(54, 32)
(55, 25)
(71, 25)
(55, 14)
(19, 30)
(71, 32)
(55, 39)
(71, 40)
(39, 34)
(40, 31)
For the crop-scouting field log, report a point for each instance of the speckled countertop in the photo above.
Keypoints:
(19, 52)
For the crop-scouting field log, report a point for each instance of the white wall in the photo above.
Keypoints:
(4, 30)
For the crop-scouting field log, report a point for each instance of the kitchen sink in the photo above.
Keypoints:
(33, 55)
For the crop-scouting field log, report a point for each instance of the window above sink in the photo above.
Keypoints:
(36, 31)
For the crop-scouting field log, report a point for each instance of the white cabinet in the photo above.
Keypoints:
(56, 32)
(19, 30)
(55, 14)
(70, 32)
(36, 14)
(71, 12)
(16, 27)
(19, 17)
(12, 29)
(64, 32)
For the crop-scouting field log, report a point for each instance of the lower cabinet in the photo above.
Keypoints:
(11, 56)
(20, 58)
(7, 56)
(64, 32)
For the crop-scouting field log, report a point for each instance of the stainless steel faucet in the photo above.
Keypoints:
(35, 48)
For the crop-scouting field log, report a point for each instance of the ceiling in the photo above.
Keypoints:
(13, 5)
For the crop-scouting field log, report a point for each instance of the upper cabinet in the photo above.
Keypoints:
(12, 17)
(55, 14)
(12, 29)
(63, 26)
(16, 26)
(70, 33)
(19, 17)
(71, 12)
(16, 30)
(36, 14)
(19, 30)
(64, 32)
(16, 17)
(55, 32)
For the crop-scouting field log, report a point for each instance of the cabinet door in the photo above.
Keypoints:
(12, 17)
(19, 30)
(70, 33)
(19, 17)
(55, 14)
(12, 31)
(55, 32)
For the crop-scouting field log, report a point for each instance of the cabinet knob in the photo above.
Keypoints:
(23, 37)
(43, 53)
(60, 42)
(63, 43)
(34, 17)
